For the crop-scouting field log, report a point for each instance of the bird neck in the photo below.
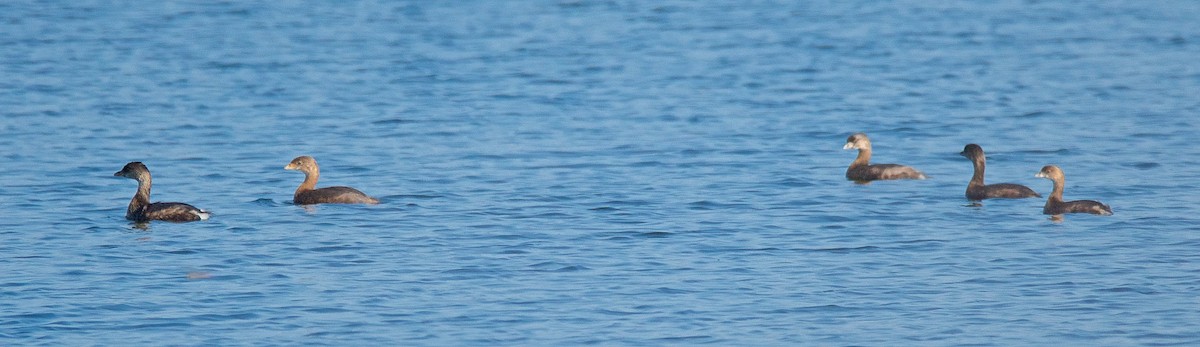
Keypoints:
(980, 165)
(863, 158)
(141, 198)
(1057, 194)
(310, 181)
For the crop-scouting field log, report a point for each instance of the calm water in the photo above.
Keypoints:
(592, 172)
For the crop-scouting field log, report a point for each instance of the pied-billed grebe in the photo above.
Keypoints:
(307, 195)
(1055, 204)
(140, 208)
(976, 190)
(862, 171)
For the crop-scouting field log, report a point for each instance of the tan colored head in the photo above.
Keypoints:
(302, 163)
(857, 141)
(1050, 172)
(135, 170)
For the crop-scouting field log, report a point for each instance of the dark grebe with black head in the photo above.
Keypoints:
(141, 210)
(861, 169)
(977, 190)
(1055, 204)
(308, 194)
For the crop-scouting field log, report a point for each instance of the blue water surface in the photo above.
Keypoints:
(598, 172)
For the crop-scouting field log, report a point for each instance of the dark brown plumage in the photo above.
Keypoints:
(307, 194)
(141, 210)
(977, 190)
(1055, 204)
(861, 169)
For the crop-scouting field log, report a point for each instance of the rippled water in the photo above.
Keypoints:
(592, 172)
